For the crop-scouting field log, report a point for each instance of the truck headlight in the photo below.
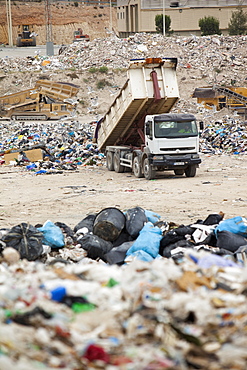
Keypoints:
(158, 157)
(194, 156)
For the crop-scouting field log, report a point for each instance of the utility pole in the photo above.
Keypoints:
(9, 22)
(48, 26)
(111, 17)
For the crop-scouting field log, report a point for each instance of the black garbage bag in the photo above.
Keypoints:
(213, 219)
(135, 220)
(223, 252)
(230, 241)
(117, 255)
(95, 246)
(183, 244)
(123, 238)
(87, 222)
(210, 240)
(184, 230)
(169, 238)
(26, 239)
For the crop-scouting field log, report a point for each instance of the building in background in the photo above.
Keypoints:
(139, 15)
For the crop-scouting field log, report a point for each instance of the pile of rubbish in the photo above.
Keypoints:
(205, 56)
(225, 136)
(117, 237)
(126, 290)
(65, 145)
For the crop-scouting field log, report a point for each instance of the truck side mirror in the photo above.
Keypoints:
(147, 129)
(201, 125)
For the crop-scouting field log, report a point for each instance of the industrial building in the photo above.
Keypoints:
(139, 15)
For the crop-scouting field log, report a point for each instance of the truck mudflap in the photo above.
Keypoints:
(174, 162)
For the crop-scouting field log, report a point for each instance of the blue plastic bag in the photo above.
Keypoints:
(31, 166)
(147, 241)
(58, 293)
(236, 225)
(40, 172)
(52, 235)
(142, 256)
(152, 216)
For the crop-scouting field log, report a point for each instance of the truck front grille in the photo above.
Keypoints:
(176, 149)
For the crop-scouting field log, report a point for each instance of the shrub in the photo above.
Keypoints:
(103, 69)
(209, 26)
(101, 84)
(159, 23)
(238, 23)
(93, 70)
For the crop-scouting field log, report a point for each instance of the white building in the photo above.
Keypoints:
(139, 15)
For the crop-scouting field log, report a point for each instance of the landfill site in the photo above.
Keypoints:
(123, 230)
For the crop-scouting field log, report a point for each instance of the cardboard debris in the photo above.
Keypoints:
(33, 155)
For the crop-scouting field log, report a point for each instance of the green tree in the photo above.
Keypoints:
(238, 23)
(159, 23)
(209, 26)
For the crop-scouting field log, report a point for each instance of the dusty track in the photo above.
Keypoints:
(220, 185)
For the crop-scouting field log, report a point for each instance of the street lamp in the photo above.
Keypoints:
(164, 20)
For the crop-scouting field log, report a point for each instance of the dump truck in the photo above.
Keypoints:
(47, 100)
(25, 37)
(139, 133)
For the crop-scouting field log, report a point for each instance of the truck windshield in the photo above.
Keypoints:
(175, 129)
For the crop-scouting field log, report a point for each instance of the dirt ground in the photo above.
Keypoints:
(220, 185)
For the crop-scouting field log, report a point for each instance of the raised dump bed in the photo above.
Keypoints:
(151, 88)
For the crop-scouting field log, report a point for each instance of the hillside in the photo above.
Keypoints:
(66, 17)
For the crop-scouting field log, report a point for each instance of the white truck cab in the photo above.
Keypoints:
(172, 142)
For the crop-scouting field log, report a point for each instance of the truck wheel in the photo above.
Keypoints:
(117, 166)
(137, 169)
(190, 171)
(179, 172)
(109, 161)
(148, 171)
